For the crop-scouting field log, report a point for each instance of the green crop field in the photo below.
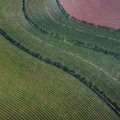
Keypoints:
(54, 67)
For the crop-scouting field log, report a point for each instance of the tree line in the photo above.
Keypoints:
(82, 21)
(40, 29)
(95, 48)
(83, 79)
(62, 9)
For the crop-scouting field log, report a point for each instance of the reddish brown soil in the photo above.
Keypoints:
(100, 12)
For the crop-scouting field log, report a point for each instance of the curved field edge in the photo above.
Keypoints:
(31, 89)
(59, 18)
(83, 21)
(78, 43)
(37, 39)
(87, 82)
(46, 32)
(74, 41)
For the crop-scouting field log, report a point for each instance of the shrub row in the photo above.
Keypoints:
(86, 81)
(57, 36)
(95, 48)
(62, 9)
(31, 22)
(42, 30)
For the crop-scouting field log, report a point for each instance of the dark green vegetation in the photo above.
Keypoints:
(40, 29)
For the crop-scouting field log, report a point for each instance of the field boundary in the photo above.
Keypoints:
(82, 21)
(96, 48)
(81, 78)
(73, 73)
(78, 43)
(96, 90)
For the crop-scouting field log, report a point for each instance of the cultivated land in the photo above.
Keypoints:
(87, 61)
(32, 89)
(99, 12)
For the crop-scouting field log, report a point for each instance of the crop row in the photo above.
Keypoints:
(86, 81)
(100, 68)
(45, 93)
(42, 30)
(75, 42)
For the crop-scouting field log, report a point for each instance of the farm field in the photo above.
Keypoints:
(32, 89)
(99, 12)
(54, 67)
